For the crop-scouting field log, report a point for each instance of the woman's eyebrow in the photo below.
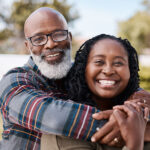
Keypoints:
(98, 55)
(120, 57)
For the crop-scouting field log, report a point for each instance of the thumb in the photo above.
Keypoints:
(120, 116)
(102, 115)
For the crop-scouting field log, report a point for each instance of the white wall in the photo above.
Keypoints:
(10, 61)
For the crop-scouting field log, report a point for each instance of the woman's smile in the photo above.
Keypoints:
(107, 71)
(106, 83)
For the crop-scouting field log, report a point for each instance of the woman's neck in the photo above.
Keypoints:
(103, 104)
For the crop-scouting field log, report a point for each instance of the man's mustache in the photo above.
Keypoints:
(51, 50)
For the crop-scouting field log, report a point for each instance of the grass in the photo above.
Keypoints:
(1, 127)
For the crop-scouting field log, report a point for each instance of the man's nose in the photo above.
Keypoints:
(50, 43)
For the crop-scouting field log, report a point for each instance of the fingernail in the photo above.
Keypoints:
(94, 115)
(114, 107)
(115, 110)
(93, 139)
(97, 129)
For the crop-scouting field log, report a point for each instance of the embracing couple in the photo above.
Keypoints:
(94, 104)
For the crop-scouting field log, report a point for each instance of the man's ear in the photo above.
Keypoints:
(27, 45)
(70, 36)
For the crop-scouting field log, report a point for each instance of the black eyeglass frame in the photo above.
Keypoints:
(49, 34)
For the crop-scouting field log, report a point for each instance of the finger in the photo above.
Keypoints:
(120, 117)
(135, 105)
(110, 136)
(121, 143)
(134, 100)
(117, 106)
(143, 104)
(125, 108)
(141, 100)
(102, 132)
(102, 115)
(146, 114)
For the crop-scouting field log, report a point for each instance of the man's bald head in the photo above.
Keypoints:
(52, 57)
(43, 14)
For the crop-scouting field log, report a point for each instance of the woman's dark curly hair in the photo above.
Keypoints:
(76, 83)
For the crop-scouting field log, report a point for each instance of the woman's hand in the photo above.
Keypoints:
(132, 126)
(109, 131)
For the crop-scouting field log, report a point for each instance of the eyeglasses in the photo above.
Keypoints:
(56, 36)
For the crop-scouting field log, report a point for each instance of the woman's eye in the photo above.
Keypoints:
(118, 63)
(99, 62)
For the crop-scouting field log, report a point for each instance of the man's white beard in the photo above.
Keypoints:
(53, 71)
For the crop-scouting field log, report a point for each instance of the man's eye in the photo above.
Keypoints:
(56, 35)
(38, 39)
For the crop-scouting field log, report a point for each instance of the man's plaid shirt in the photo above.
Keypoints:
(29, 108)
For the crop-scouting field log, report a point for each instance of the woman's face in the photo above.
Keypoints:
(107, 71)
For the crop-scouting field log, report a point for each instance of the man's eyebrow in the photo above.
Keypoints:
(39, 33)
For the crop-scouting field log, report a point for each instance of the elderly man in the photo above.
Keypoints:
(28, 94)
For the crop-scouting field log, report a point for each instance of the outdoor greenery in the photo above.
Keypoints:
(137, 28)
(145, 78)
(12, 35)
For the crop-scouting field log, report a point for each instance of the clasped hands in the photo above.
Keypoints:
(122, 120)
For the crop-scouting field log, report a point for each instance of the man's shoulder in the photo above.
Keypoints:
(17, 73)
(16, 70)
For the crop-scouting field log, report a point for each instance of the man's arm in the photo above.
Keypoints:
(23, 104)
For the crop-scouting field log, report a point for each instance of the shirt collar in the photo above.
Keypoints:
(31, 64)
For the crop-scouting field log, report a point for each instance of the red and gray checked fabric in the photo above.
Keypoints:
(30, 107)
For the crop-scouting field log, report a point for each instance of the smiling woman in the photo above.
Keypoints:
(104, 74)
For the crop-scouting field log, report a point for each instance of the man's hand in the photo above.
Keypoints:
(109, 131)
(142, 96)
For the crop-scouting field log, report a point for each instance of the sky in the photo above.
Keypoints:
(100, 16)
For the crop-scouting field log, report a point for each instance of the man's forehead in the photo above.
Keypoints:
(44, 16)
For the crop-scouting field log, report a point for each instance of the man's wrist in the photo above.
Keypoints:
(147, 133)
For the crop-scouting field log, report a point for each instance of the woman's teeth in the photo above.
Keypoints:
(106, 82)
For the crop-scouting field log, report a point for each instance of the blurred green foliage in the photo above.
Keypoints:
(21, 9)
(145, 78)
(137, 28)
(13, 20)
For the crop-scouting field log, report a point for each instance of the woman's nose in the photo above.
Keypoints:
(108, 70)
